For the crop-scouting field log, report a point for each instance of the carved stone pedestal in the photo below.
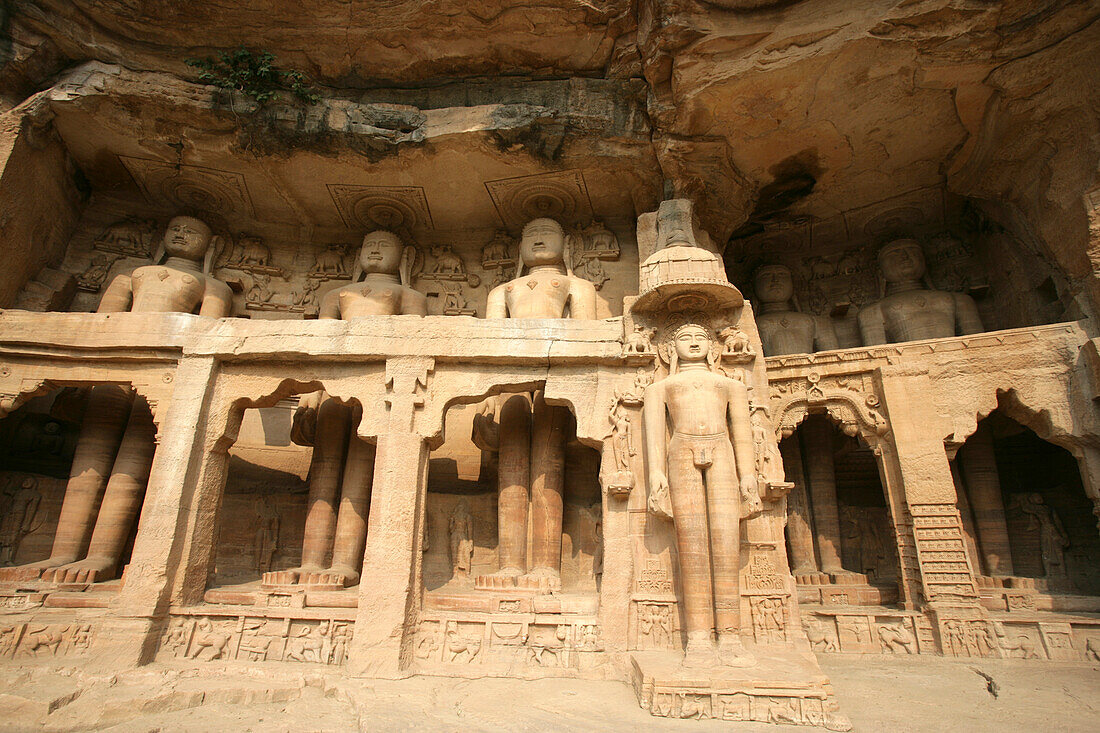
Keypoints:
(536, 583)
(784, 686)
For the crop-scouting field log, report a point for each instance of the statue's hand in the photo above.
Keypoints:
(303, 429)
(751, 505)
(660, 503)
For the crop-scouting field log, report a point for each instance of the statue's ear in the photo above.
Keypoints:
(357, 268)
(404, 270)
(158, 253)
(567, 252)
(212, 252)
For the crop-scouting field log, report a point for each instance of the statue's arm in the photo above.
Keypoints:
(653, 419)
(414, 303)
(824, 334)
(496, 306)
(872, 327)
(582, 299)
(118, 296)
(217, 301)
(741, 428)
(330, 306)
(966, 315)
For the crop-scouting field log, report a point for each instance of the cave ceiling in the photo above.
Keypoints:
(769, 114)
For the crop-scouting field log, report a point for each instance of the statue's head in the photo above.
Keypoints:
(381, 253)
(187, 237)
(675, 224)
(901, 261)
(773, 284)
(691, 342)
(543, 243)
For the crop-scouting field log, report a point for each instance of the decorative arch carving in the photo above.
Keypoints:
(855, 410)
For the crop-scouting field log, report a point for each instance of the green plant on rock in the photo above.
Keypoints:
(252, 74)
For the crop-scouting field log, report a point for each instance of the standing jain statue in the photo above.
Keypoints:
(910, 311)
(782, 329)
(342, 468)
(532, 436)
(114, 452)
(704, 478)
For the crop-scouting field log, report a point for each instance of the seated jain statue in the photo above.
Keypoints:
(114, 452)
(704, 478)
(342, 468)
(782, 329)
(910, 311)
(532, 433)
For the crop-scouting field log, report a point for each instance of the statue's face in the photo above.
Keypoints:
(187, 237)
(543, 243)
(676, 229)
(902, 261)
(692, 343)
(773, 284)
(381, 252)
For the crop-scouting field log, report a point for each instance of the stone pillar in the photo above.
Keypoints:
(983, 486)
(817, 442)
(514, 480)
(391, 587)
(177, 520)
(619, 556)
(800, 530)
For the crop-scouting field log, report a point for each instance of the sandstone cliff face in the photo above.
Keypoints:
(764, 112)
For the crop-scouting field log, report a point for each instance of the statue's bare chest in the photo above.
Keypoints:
(158, 289)
(537, 296)
(375, 300)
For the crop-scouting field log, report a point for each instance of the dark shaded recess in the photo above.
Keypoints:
(792, 180)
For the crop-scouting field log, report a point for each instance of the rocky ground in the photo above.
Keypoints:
(877, 693)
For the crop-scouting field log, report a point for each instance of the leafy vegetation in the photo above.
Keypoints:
(253, 74)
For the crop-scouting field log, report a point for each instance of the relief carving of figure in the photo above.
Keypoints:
(342, 467)
(1053, 539)
(639, 341)
(782, 329)
(20, 510)
(130, 237)
(460, 527)
(704, 478)
(116, 442)
(911, 311)
(897, 638)
(532, 433)
(330, 263)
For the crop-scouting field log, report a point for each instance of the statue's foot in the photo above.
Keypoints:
(288, 577)
(32, 571)
(89, 570)
(543, 579)
(731, 652)
(341, 575)
(509, 572)
(700, 654)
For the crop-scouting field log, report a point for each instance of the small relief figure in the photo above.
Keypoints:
(735, 342)
(306, 645)
(769, 463)
(260, 292)
(655, 623)
(7, 641)
(1019, 645)
(593, 271)
(131, 237)
(340, 638)
(897, 638)
(597, 538)
(251, 252)
(462, 648)
(622, 437)
(427, 643)
(208, 643)
(985, 643)
(329, 265)
(696, 707)
(460, 527)
(266, 541)
(18, 520)
(43, 638)
(640, 341)
(1053, 539)
(954, 640)
(82, 637)
(495, 253)
(822, 637)
(307, 300)
(92, 279)
(1092, 649)
(599, 242)
(590, 638)
(543, 653)
(456, 304)
(448, 265)
(176, 640)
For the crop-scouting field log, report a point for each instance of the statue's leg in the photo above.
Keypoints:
(100, 435)
(513, 478)
(121, 501)
(689, 510)
(325, 470)
(724, 508)
(547, 479)
(351, 523)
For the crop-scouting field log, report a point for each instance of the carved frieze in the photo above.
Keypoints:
(258, 639)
